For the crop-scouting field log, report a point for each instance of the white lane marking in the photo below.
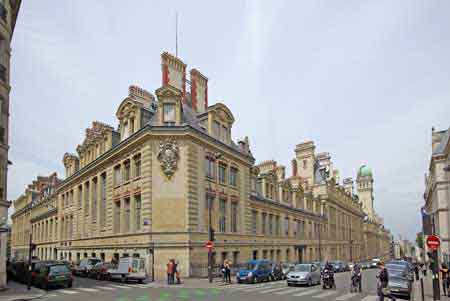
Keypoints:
(325, 294)
(272, 290)
(51, 295)
(120, 286)
(67, 292)
(147, 284)
(89, 290)
(346, 296)
(308, 292)
(105, 288)
(264, 287)
(370, 298)
(252, 287)
(291, 290)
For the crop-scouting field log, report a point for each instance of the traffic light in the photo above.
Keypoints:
(211, 234)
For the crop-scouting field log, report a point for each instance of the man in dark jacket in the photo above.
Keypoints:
(383, 282)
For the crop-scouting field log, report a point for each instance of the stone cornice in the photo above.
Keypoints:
(49, 213)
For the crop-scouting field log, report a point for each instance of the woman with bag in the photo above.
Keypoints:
(383, 281)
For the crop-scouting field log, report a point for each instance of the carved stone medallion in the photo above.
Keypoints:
(168, 156)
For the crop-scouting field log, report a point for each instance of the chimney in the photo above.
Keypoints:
(173, 72)
(141, 95)
(294, 167)
(199, 91)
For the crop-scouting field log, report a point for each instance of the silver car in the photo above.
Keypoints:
(308, 274)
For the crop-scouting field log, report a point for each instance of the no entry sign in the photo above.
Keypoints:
(209, 245)
(433, 242)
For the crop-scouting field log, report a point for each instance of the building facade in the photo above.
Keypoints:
(437, 194)
(9, 10)
(146, 189)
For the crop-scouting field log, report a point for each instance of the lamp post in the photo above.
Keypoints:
(211, 237)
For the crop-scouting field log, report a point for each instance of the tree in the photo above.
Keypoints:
(419, 240)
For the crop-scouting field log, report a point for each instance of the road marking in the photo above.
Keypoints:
(89, 290)
(272, 290)
(67, 292)
(291, 290)
(120, 286)
(105, 288)
(370, 298)
(325, 294)
(263, 287)
(308, 292)
(346, 296)
(252, 287)
(51, 295)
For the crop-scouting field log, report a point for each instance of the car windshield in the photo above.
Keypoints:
(94, 261)
(60, 268)
(302, 268)
(250, 266)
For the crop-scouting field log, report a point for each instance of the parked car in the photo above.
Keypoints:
(129, 268)
(53, 274)
(85, 265)
(100, 271)
(308, 274)
(400, 281)
(255, 271)
(338, 266)
(277, 272)
(365, 265)
(402, 266)
(286, 268)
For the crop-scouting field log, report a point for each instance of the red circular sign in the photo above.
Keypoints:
(209, 245)
(433, 242)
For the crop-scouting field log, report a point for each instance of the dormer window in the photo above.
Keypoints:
(216, 129)
(126, 130)
(169, 114)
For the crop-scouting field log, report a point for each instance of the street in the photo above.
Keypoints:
(100, 290)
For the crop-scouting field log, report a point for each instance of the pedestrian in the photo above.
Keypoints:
(227, 265)
(382, 282)
(222, 270)
(169, 272)
(416, 270)
(177, 272)
(444, 277)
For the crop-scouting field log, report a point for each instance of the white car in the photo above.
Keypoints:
(308, 274)
(129, 268)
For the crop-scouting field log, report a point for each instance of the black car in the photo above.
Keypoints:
(277, 272)
(400, 283)
(85, 265)
(52, 275)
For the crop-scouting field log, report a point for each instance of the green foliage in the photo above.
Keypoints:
(419, 240)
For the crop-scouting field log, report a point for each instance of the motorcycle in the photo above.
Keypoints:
(328, 279)
(355, 283)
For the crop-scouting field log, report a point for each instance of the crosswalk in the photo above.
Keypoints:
(97, 289)
(315, 292)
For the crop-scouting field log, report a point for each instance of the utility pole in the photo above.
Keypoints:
(211, 236)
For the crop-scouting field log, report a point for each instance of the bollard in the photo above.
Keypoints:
(421, 289)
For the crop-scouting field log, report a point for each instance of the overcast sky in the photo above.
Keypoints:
(366, 80)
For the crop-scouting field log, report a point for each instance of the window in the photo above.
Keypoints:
(286, 226)
(103, 199)
(94, 199)
(277, 225)
(263, 222)
(126, 130)
(224, 134)
(233, 176)
(210, 168)
(137, 211)
(131, 125)
(86, 198)
(117, 180)
(169, 113)
(116, 227)
(80, 196)
(126, 216)
(222, 215)
(137, 166)
(222, 172)
(216, 129)
(270, 224)
(126, 171)
(234, 216)
(254, 221)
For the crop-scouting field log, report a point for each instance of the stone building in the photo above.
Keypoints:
(437, 189)
(145, 189)
(9, 9)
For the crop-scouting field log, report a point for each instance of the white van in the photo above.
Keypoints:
(129, 268)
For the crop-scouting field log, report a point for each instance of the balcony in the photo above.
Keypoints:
(3, 12)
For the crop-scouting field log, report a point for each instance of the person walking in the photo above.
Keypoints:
(227, 265)
(444, 277)
(416, 270)
(177, 273)
(170, 272)
(382, 282)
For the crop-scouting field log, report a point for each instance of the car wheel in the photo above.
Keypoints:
(122, 279)
(140, 281)
(69, 285)
(289, 284)
(309, 282)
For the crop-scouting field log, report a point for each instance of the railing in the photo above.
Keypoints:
(201, 270)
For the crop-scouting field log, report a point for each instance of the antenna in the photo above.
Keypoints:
(176, 34)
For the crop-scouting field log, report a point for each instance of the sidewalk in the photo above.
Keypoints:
(17, 291)
(427, 288)
(195, 283)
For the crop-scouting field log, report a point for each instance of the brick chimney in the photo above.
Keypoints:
(294, 167)
(173, 72)
(199, 90)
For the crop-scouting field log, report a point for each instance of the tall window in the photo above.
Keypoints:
(116, 223)
(86, 198)
(169, 113)
(254, 221)
(277, 225)
(126, 130)
(131, 125)
(126, 215)
(216, 129)
(263, 222)
(270, 224)
(80, 196)
(233, 176)
(126, 171)
(137, 166)
(94, 199)
(117, 179)
(222, 215)
(222, 173)
(103, 199)
(224, 134)
(234, 216)
(210, 168)
(137, 211)
(286, 226)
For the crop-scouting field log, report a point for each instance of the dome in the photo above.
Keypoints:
(364, 171)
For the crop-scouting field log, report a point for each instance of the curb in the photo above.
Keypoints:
(24, 297)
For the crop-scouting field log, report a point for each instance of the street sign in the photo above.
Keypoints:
(433, 242)
(209, 245)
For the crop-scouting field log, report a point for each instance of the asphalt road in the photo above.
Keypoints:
(92, 290)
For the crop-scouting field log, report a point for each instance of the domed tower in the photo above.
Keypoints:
(364, 182)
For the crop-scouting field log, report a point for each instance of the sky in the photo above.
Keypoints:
(365, 80)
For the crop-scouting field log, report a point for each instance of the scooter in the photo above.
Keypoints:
(355, 283)
(327, 280)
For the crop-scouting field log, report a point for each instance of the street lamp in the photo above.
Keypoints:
(211, 238)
